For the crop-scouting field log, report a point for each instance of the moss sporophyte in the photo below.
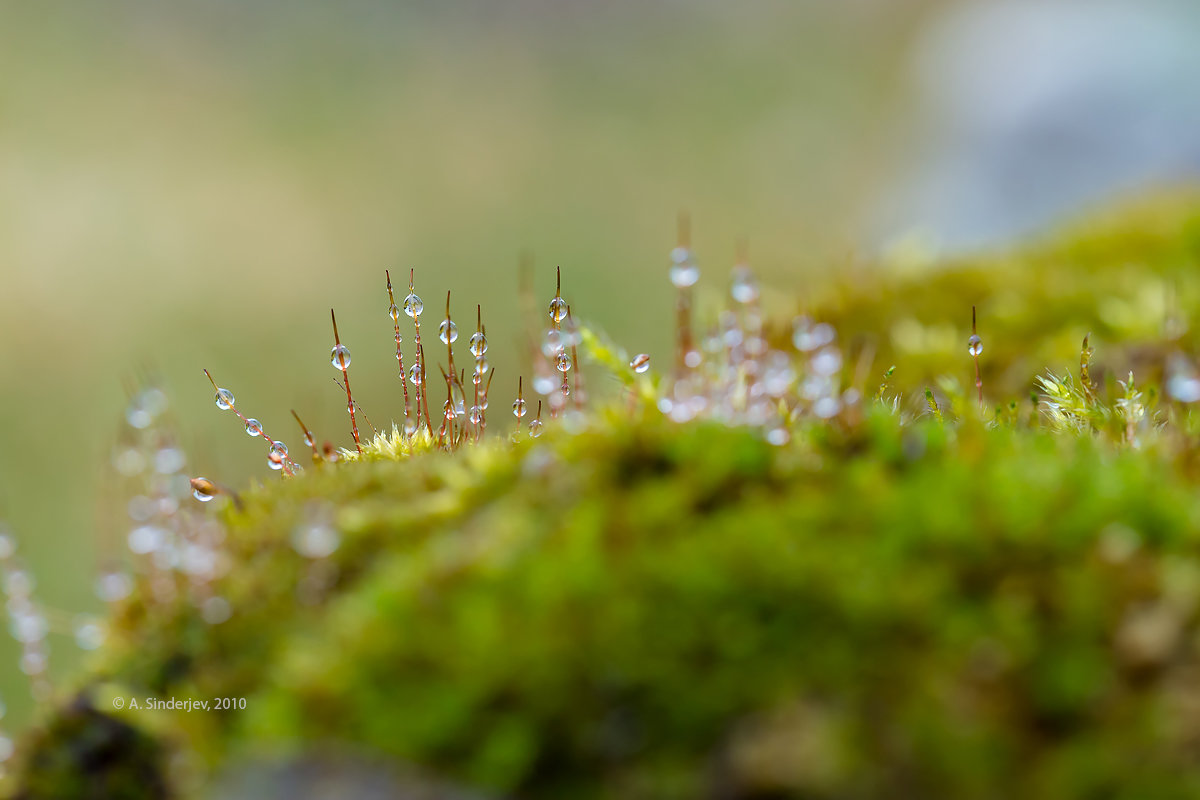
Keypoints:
(675, 584)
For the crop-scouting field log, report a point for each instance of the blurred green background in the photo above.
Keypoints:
(195, 184)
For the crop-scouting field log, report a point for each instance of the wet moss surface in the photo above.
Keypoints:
(887, 606)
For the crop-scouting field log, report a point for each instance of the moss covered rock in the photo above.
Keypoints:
(885, 607)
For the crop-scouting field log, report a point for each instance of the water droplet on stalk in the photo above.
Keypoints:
(684, 270)
(253, 427)
(224, 399)
(478, 344)
(340, 357)
(448, 331)
(974, 345)
(518, 408)
(640, 363)
(413, 306)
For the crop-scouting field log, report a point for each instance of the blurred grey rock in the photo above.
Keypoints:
(1031, 109)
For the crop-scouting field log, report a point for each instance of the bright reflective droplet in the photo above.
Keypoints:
(448, 331)
(640, 363)
(169, 460)
(826, 362)
(478, 344)
(563, 362)
(340, 357)
(684, 270)
(552, 343)
(476, 415)
(33, 663)
(113, 586)
(394, 312)
(745, 286)
(518, 408)
(89, 633)
(253, 427)
(203, 489)
(278, 455)
(316, 539)
(974, 345)
(535, 428)
(413, 306)
(449, 410)
(558, 309)
(414, 374)
(224, 399)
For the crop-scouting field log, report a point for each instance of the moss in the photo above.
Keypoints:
(648, 610)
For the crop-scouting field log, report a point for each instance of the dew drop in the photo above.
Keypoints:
(684, 270)
(203, 489)
(169, 460)
(558, 309)
(449, 410)
(224, 399)
(33, 662)
(278, 455)
(476, 415)
(826, 407)
(552, 343)
(745, 286)
(827, 361)
(414, 374)
(18, 583)
(394, 312)
(413, 306)
(146, 539)
(535, 428)
(478, 344)
(89, 633)
(28, 627)
(215, 610)
(316, 539)
(448, 331)
(253, 427)
(138, 417)
(113, 586)
(410, 427)
(129, 461)
(974, 345)
(340, 357)
(518, 408)
(640, 363)
(563, 362)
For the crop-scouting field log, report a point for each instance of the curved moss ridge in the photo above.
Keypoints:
(645, 610)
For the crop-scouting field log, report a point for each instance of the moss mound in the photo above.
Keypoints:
(648, 610)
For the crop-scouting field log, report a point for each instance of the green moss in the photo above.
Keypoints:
(645, 610)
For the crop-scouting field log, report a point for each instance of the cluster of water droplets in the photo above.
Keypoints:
(27, 622)
(167, 535)
(740, 375)
(478, 347)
